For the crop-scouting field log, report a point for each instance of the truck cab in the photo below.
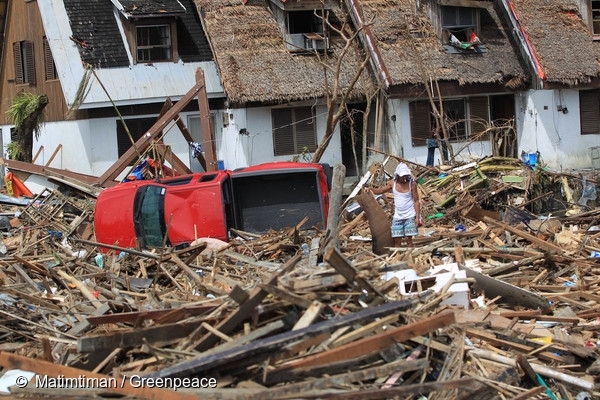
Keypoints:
(176, 211)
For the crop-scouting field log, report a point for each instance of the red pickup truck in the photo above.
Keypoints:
(176, 211)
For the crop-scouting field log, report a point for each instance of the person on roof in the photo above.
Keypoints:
(407, 209)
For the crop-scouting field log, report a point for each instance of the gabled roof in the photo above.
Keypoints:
(96, 33)
(89, 33)
(254, 62)
(412, 52)
(559, 43)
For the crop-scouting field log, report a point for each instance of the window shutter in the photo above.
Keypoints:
(479, 116)
(283, 132)
(305, 130)
(18, 63)
(420, 122)
(49, 67)
(137, 127)
(29, 64)
(589, 111)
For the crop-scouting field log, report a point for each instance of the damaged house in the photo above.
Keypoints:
(108, 67)
(487, 75)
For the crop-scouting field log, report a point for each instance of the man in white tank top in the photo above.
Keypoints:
(407, 209)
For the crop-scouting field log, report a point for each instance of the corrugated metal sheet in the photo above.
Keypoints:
(135, 84)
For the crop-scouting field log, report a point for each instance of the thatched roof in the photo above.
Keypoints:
(412, 51)
(561, 41)
(253, 60)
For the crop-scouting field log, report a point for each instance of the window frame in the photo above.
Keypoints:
(152, 48)
(293, 133)
(462, 31)
(133, 25)
(422, 121)
(24, 62)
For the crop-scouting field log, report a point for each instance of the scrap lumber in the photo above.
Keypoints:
(334, 324)
(243, 312)
(368, 345)
(263, 349)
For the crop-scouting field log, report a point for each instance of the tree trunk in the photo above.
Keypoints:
(26, 130)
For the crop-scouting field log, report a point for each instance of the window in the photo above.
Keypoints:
(305, 29)
(137, 127)
(24, 66)
(149, 216)
(466, 119)
(589, 111)
(459, 21)
(153, 43)
(596, 17)
(49, 66)
(293, 131)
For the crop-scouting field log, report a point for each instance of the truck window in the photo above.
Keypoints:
(150, 222)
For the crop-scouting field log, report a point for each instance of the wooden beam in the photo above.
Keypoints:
(148, 138)
(243, 312)
(373, 344)
(208, 140)
(261, 350)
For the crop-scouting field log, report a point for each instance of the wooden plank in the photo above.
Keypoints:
(256, 351)
(296, 390)
(533, 239)
(310, 315)
(147, 314)
(131, 338)
(243, 312)
(342, 265)
(373, 344)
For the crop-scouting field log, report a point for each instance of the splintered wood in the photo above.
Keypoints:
(499, 299)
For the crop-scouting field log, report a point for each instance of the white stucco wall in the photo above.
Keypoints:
(555, 134)
(401, 143)
(90, 146)
(256, 146)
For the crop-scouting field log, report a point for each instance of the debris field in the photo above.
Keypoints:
(499, 298)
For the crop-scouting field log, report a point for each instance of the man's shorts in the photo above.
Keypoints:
(404, 227)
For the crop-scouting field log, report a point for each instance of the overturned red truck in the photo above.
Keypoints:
(178, 210)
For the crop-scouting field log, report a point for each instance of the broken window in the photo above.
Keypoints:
(153, 43)
(465, 119)
(306, 30)
(589, 111)
(459, 21)
(49, 66)
(24, 65)
(293, 131)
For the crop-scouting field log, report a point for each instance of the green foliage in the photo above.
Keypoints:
(14, 151)
(24, 104)
(304, 156)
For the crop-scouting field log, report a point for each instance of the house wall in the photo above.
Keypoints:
(556, 135)
(256, 146)
(399, 132)
(24, 23)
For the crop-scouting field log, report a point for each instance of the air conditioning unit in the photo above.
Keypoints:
(315, 41)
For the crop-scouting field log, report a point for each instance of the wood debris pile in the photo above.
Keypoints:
(492, 302)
